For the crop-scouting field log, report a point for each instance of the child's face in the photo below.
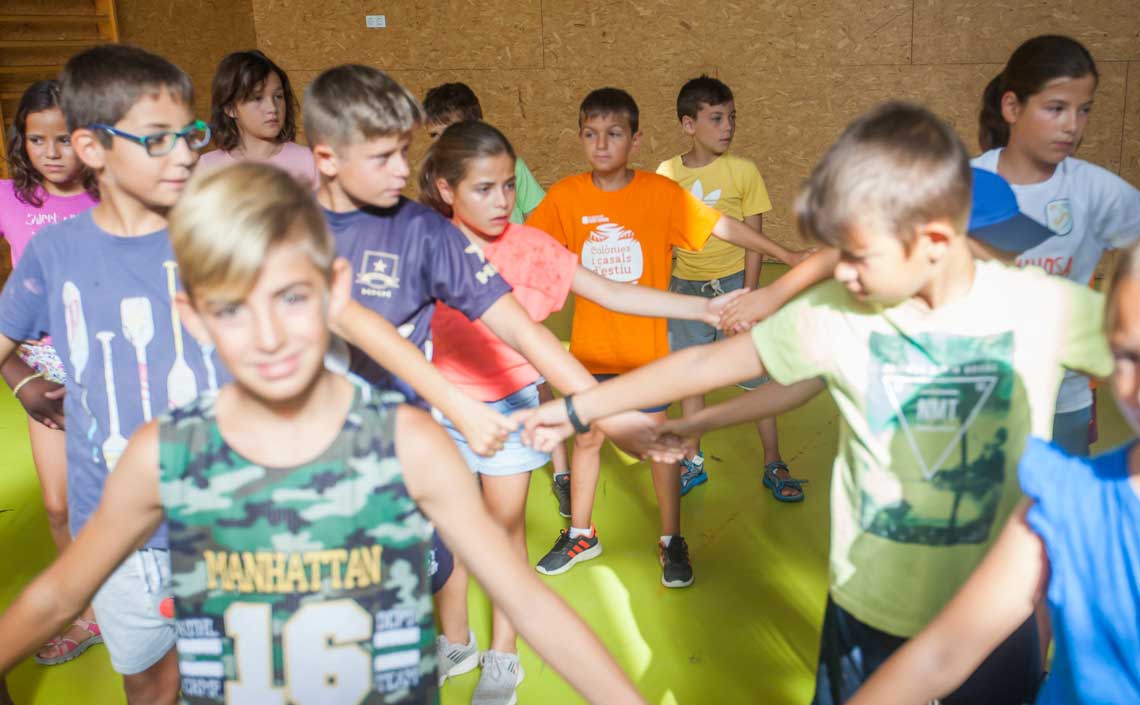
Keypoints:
(714, 127)
(273, 340)
(483, 200)
(262, 115)
(156, 182)
(48, 144)
(608, 142)
(1125, 343)
(374, 171)
(1050, 124)
(878, 268)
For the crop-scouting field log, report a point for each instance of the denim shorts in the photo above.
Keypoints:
(686, 334)
(515, 457)
(127, 610)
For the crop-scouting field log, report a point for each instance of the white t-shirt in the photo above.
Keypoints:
(1091, 210)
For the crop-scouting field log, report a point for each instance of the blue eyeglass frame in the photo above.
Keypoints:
(147, 140)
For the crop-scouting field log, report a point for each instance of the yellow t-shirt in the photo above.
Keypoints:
(733, 186)
(935, 408)
(626, 236)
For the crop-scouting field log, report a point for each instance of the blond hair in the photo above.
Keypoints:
(228, 220)
(352, 103)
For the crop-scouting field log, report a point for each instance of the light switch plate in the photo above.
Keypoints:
(375, 21)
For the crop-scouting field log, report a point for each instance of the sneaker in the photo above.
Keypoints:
(561, 487)
(693, 473)
(456, 659)
(501, 676)
(676, 571)
(568, 551)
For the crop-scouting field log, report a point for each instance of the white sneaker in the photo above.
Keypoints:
(456, 659)
(501, 676)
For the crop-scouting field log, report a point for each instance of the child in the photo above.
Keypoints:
(469, 175)
(1033, 117)
(940, 371)
(311, 573)
(48, 185)
(732, 185)
(1074, 542)
(624, 224)
(253, 115)
(406, 257)
(454, 102)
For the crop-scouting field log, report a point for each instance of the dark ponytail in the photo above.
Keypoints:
(449, 157)
(1030, 67)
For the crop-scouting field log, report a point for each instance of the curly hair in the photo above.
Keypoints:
(26, 181)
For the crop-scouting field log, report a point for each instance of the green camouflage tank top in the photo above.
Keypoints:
(297, 586)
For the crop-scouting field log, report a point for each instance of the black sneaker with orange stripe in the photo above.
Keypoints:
(568, 551)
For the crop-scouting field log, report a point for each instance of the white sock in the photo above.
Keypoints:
(666, 540)
(560, 474)
(575, 532)
(697, 460)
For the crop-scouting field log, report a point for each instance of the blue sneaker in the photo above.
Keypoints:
(693, 473)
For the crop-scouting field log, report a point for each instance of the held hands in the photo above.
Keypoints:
(795, 258)
(714, 310)
(546, 426)
(485, 429)
(742, 313)
(634, 432)
(43, 400)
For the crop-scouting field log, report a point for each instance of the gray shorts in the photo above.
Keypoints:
(127, 610)
(686, 334)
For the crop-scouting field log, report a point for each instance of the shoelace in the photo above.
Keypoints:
(677, 550)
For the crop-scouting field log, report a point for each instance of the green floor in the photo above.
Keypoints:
(745, 632)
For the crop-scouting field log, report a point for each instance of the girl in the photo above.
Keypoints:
(1075, 541)
(469, 176)
(253, 116)
(48, 185)
(1033, 117)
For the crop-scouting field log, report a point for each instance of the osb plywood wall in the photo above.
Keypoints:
(800, 69)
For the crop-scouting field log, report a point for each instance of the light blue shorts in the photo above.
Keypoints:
(515, 458)
(127, 610)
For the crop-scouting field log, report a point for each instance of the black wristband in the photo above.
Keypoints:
(576, 422)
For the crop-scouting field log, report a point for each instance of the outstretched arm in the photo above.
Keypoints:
(767, 401)
(736, 232)
(996, 600)
(484, 428)
(128, 513)
(444, 489)
(745, 312)
(648, 301)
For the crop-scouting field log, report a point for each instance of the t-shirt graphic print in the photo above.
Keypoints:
(612, 251)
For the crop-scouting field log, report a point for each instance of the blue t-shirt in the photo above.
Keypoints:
(1087, 513)
(106, 302)
(404, 259)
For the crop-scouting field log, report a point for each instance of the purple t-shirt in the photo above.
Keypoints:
(404, 259)
(106, 302)
(19, 221)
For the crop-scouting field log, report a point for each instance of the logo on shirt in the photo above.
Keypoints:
(379, 273)
(488, 271)
(613, 252)
(592, 219)
(1059, 216)
(710, 199)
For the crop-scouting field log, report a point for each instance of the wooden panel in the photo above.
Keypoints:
(161, 26)
(464, 33)
(979, 30)
(1130, 152)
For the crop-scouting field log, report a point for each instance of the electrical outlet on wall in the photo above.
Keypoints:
(375, 21)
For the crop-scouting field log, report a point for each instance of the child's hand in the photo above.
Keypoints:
(636, 434)
(43, 400)
(672, 442)
(795, 258)
(714, 309)
(485, 429)
(544, 426)
(746, 311)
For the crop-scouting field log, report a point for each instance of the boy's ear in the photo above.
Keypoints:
(88, 148)
(1010, 107)
(340, 286)
(688, 125)
(445, 191)
(326, 160)
(938, 234)
(190, 317)
(635, 141)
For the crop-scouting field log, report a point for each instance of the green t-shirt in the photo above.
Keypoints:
(528, 193)
(311, 580)
(935, 407)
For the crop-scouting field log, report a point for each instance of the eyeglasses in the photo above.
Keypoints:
(197, 136)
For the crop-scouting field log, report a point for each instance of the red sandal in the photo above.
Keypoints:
(67, 649)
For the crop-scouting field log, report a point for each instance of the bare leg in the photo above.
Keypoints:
(667, 485)
(157, 685)
(558, 456)
(585, 466)
(506, 501)
(690, 406)
(451, 605)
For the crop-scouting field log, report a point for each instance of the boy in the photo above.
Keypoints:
(939, 370)
(732, 185)
(309, 574)
(455, 102)
(624, 224)
(407, 256)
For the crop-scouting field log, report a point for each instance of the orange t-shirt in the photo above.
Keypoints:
(626, 236)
